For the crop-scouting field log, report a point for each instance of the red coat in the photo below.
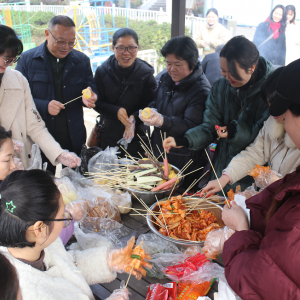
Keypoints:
(264, 262)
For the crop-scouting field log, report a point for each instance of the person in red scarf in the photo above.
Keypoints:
(269, 36)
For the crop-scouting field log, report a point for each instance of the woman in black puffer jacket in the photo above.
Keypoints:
(179, 102)
(123, 73)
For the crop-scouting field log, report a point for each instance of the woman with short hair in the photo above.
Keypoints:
(269, 36)
(212, 34)
(234, 104)
(179, 101)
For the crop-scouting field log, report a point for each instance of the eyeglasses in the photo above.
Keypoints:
(9, 61)
(62, 44)
(130, 49)
(67, 219)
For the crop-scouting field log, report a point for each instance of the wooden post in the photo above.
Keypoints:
(178, 18)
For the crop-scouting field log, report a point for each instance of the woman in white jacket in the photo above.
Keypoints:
(272, 145)
(17, 109)
(32, 215)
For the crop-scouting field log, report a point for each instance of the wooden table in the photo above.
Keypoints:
(137, 288)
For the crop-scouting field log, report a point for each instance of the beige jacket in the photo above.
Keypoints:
(271, 145)
(19, 114)
(216, 34)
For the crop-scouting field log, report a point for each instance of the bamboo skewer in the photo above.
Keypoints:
(152, 154)
(72, 100)
(217, 178)
(129, 277)
(162, 214)
(128, 154)
(195, 183)
(146, 218)
(147, 135)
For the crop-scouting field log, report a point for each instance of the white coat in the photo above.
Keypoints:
(271, 145)
(19, 114)
(62, 278)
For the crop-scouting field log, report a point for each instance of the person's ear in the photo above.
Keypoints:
(40, 229)
(47, 34)
(252, 69)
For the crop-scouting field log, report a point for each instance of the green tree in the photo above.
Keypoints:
(158, 42)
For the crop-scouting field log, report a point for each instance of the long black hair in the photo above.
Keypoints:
(26, 197)
(9, 42)
(293, 9)
(183, 47)
(9, 283)
(283, 20)
(242, 51)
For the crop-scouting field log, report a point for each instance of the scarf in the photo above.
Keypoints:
(275, 27)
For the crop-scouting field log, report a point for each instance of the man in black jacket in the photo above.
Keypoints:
(56, 71)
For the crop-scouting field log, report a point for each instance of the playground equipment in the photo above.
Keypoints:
(12, 17)
(94, 37)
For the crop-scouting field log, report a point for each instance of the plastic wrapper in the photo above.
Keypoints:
(263, 176)
(85, 156)
(36, 161)
(214, 243)
(128, 134)
(104, 160)
(67, 189)
(155, 119)
(123, 201)
(18, 163)
(120, 294)
(158, 292)
(78, 209)
(18, 146)
(117, 233)
(249, 192)
(69, 159)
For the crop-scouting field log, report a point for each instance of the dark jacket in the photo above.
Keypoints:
(182, 106)
(273, 50)
(222, 107)
(34, 65)
(264, 262)
(142, 86)
(211, 67)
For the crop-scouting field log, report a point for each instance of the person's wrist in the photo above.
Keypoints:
(243, 225)
(226, 178)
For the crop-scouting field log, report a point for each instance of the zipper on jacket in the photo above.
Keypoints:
(57, 65)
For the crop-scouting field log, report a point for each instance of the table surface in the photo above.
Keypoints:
(137, 288)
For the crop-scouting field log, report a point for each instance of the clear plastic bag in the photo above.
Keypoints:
(117, 233)
(104, 160)
(35, 161)
(263, 176)
(214, 243)
(18, 146)
(78, 209)
(128, 134)
(123, 201)
(67, 189)
(249, 192)
(18, 164)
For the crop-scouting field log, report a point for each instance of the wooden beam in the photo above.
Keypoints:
(178, 18)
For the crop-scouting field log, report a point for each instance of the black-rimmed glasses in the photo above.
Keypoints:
(9, 61)
(130, 49)
(62, 44)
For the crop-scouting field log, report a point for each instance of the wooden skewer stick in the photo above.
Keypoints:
(129, 277)
(159, 150)
(191, 185)
(172, 190)
(146, 218)
(72, 100)
(217, 178)
(151, 152)
(129, 154)
(140, 155)
(190, 172)
(195, 183)
(147, 135)
(162, 214)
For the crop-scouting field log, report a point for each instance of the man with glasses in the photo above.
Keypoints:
(57, 74)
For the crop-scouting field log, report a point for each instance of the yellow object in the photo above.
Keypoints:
(87, 93)
(66, 200)
(146, 113)
(172, 174)
(72, 195)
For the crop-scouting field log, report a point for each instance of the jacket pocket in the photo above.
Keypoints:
(40, 86)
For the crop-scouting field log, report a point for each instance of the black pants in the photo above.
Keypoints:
(50, 167)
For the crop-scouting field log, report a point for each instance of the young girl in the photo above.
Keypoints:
(32, 215)
(9, 284)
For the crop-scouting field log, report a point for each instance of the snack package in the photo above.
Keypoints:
(123, 201)
(104, 160)
(157, 292)
(191, 291)
(263, 176)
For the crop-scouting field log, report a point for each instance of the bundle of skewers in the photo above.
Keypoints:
(145, 174)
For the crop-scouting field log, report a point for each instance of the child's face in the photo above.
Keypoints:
(7, 155)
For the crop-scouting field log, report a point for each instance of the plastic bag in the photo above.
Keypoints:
(123, 201)
(78, 209)
(67, 189)
(85, 155)
(104, 160)
(35, 161)
(263, 176)
(214, 243)
(18, 164)
(128, 134)
(18, 146)
(120, 294)
(117, 233)
(249, 192)
(155, 119)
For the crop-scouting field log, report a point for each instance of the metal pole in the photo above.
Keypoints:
(178, 18)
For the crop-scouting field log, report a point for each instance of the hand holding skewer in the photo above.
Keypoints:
(235, 217)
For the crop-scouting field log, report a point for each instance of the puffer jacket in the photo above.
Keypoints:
(222, 108)
(140, 93)
(182, 107)
(263, 262)
(272, 145)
